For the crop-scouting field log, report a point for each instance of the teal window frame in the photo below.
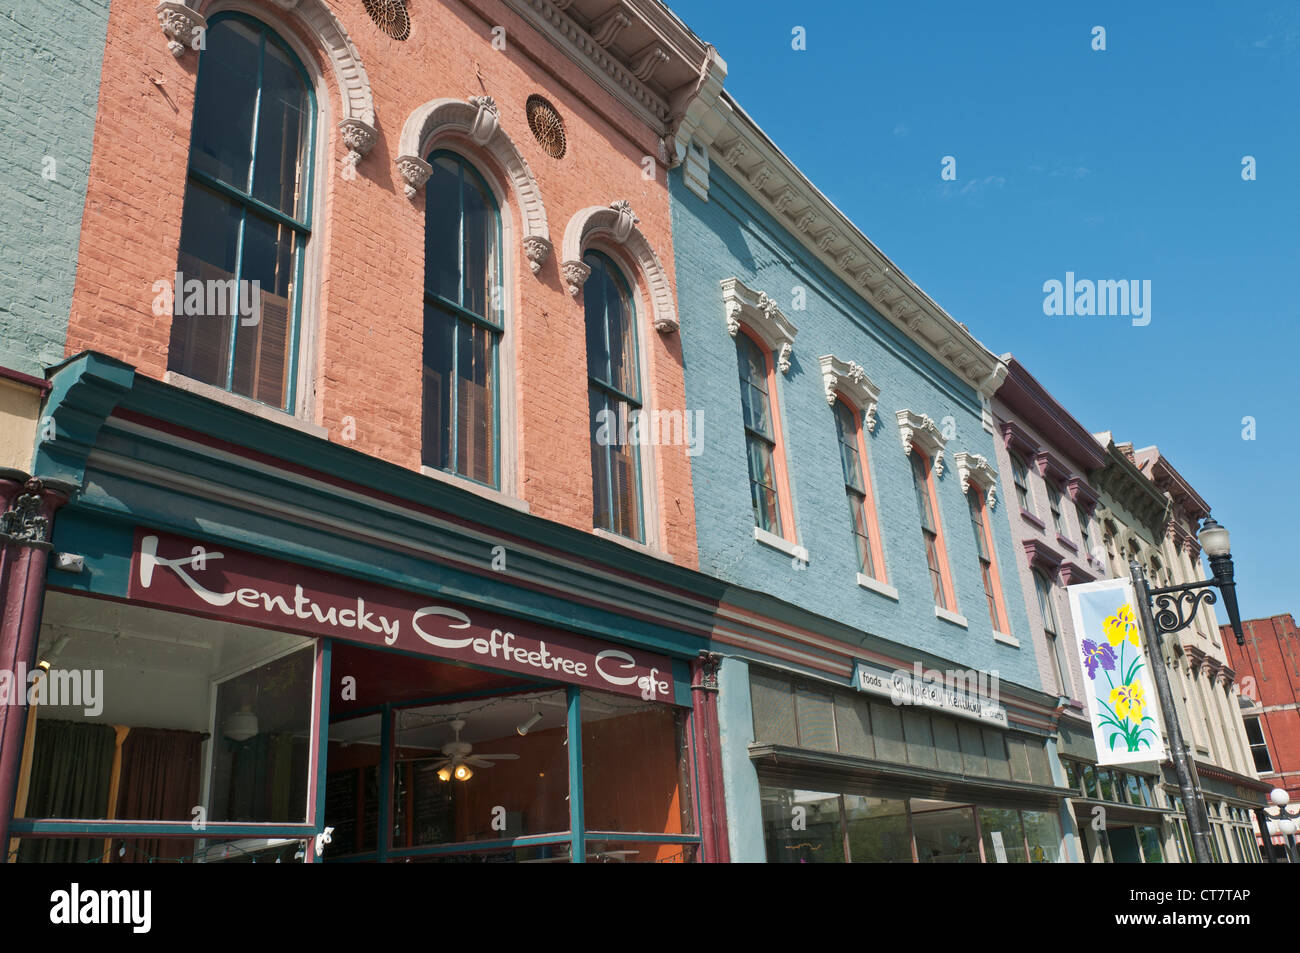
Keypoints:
(614, 395)
(459, 313)
(247, 202)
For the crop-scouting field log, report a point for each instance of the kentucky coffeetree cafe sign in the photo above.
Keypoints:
(221, 583)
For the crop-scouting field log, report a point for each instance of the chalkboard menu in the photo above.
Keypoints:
(434, 820)
(341, 811)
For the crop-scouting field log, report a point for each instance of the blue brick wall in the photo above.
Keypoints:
(50, 58)
(731, 236)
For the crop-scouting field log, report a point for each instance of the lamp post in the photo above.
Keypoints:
(1175, 607)
(1283, 822)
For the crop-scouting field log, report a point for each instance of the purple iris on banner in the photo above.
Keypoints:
(1094, 654)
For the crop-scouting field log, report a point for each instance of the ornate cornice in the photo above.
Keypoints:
(850, 378)
(1084, 496)
(731, 137)
(1051, 467)
(615, 224)
(759, 312)
(1042, 555)
(1019, 440)
(1072, 573)
(478, 119)
(973, 468)
(920, 430)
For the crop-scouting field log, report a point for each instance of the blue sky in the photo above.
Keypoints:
(1122, 164)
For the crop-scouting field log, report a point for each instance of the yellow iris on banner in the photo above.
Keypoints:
(1121, 625)
(1128, 700)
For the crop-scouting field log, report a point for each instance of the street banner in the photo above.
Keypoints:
(1118, 685)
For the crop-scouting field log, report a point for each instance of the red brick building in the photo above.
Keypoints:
(1268, 670)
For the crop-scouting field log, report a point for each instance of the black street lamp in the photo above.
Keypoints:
(1175, 607)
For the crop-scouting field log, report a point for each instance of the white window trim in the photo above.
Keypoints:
(478, 489)
(781, 544)
(632, 544)
(1006, 639)
(246, 404)
(875, 585)
(952, 617)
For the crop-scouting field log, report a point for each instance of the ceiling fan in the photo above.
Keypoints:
(458, 757)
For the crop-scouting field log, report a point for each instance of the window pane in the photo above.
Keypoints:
(475, 408)
(224, 103)
(1004, 836)
(753, 387)
(802, 827)
(200, 335)
(442, 230)
(283, 117)
(773, 702)
(439, 355)
(261, 368)
(635, 768)
(626, 486)
(480, 235)
(816, 714)
(1043, 831)
(762, 482)
(944, 836)
(878, 831)
(604, 429)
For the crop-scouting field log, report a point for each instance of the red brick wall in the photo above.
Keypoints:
(370, 315)
(1270, 659)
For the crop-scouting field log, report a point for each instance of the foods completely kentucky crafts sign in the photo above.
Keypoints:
(222, 583)
(1116, 674)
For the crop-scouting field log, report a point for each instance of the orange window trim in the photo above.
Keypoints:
(998, 601)
(783, 497)
(873, 523)
(945, 573)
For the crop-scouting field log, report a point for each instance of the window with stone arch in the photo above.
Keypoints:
(247, 217)
(464, 320)
(614, 399)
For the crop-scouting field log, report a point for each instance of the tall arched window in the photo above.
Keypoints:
(463, 321)
(760, 435)
(247, 217)
(614, 396)
(857, 487)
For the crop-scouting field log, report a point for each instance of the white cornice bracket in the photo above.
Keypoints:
(759, 312)
(974, 468)
(921, 430)
(850, 379)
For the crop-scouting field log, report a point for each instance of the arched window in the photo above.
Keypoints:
(1052, 630)
(931, 530)
(247, 218)
(857, 487)
(463, 321)
(614, 396)
(760, 433)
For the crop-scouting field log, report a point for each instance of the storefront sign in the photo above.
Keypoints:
(222, 583)
(1122, 701)
(969, 694)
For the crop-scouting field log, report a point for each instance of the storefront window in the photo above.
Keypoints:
(1004, 836)
(634, 768)
(802, 827)
(156, 716)
(639, 852)
(1152, 852)
(1043, 832)
(878, 830)
(944, 835)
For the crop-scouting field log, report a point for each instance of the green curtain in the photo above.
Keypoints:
(72, 765)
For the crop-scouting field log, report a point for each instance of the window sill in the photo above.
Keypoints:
(780, 544)
(875, 585)
(1005, 639)
(246, 404)
(1067, 543)
(632, 544)
(496, 496)
(1032, 520)
(952, 617)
